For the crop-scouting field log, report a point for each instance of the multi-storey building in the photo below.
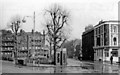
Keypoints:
(87, 44)
(37, 49)
(107, 40)
(22, 47)
(7, 45)
(30, 46)
(0, 45)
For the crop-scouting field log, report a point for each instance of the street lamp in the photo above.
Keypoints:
(33, 17)
(33, 30)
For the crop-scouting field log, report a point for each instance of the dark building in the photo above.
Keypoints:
(87, 44)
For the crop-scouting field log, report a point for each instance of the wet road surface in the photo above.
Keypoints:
(72, 67)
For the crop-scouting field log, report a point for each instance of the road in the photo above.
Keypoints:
(92, 67)
(73, 66)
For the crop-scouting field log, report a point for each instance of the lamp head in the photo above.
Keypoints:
(23, 21)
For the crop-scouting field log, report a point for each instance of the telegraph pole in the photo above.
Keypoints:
(34, 21)
(33, 34)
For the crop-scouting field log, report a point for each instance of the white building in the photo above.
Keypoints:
(107, 41)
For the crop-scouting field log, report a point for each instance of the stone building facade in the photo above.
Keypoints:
(107, 41)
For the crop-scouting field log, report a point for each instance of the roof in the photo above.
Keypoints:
(102, 22)
(87, 31)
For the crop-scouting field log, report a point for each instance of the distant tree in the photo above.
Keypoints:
(15, 24)
(70, 48)
(73, 47)
(56, 22)
(88, 27)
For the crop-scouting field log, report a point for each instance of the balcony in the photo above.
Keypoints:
(8, 44)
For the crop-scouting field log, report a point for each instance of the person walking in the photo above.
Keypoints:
(111, 59)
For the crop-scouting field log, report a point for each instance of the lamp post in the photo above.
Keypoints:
(33, 18)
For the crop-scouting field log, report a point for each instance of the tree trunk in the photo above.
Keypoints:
(15, 53)
(54, 51)
(50, 49)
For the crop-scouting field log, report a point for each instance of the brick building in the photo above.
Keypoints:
(37, 51)
(7, 44)
(30, 46)
(87, 44)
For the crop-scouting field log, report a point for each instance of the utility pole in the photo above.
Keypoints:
(34, 21)
(34, 34)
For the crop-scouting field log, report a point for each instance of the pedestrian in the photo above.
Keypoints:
(111, 59)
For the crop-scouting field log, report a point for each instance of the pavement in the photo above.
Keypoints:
(73, 66)
(9, 67)
(74, 62)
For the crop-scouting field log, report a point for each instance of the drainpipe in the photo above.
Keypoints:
(119, 56)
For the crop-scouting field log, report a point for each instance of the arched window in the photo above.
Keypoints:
(115, 41)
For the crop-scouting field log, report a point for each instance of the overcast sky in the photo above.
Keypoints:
(83, 12)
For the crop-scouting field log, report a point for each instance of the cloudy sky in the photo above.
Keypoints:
(83, 12)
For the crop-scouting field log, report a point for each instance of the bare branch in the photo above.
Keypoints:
(63, 42)
(56, 22)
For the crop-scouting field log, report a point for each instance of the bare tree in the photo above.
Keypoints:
(55, 23)
(89, 27)
(15, 24)
(49, 40)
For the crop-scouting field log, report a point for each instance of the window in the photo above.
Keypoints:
(99, 30)
(96, 52)
(25, 47)
(96, 31)
(115, 41)
(101, 40)
(106, 52)
(44, 54)
(98, 41)
(36, 62)
(115, 52)
(32, 40)
(113, 28)
(22, 48)
(8, 48)
(30, 48)
(31, 61)
(106, 39)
